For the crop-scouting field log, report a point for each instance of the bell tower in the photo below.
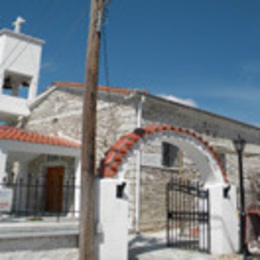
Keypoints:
(20, 58)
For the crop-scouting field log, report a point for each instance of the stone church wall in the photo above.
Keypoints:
(61, 114)
(218, 133)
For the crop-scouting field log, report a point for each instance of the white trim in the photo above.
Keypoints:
(38, 99)
(18, 146)
(77, 186)
(138, 168)
(3, 160)
(60, 134)
(21, 36)
(207, 165)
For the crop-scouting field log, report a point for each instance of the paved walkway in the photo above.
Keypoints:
(151, 246)
(153, 254)
(175, 254)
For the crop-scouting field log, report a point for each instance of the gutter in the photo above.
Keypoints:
(139, 115)
(32, 104)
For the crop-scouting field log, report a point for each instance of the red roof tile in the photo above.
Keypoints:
(21, 135)
(101, 88)
(110, 164)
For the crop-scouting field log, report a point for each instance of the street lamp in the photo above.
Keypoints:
(239, 144)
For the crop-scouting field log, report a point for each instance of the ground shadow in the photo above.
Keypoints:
(140, 244)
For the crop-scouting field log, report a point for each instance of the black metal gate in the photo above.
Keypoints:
(188, 224)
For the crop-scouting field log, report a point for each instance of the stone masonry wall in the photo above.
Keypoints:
(217, 133)
(60, 113)
(164, 112)
(153, 195)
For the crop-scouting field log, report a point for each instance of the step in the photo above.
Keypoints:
(38, 236)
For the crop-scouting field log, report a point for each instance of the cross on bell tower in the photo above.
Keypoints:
(18, 24)
(20, 62)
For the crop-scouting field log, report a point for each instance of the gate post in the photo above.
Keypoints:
(224, 224)
(3, 160)
(111, 219)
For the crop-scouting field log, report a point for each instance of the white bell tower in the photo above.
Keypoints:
(20, 58)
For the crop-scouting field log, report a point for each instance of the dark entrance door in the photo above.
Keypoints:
(187, 215)
(54, 189)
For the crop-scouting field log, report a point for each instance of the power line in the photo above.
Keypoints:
(104, 34)
(18, 43)
(36, 31)
(70, 32)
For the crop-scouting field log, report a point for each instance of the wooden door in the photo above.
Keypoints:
(54, 189)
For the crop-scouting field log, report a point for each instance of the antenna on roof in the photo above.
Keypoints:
(18, 24)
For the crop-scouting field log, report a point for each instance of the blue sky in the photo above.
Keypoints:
(204, 50)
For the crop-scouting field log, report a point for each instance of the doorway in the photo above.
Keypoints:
(54, 189)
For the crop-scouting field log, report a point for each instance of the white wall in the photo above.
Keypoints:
(224, 222)
(77, 184)
(112, 219)
(3, 159)
(12, 106)
(21, 55)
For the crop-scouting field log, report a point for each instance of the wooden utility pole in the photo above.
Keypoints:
(87, 214)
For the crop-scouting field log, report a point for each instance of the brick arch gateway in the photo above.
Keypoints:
(206, 158)
(222, 230)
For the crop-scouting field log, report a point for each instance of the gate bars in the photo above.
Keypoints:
(29, 198)
(188, 221)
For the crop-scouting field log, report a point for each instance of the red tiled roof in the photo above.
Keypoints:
(101, 88)
(17, 134)
(114, 158)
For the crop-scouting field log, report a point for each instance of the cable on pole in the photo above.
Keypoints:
(104, 38)
(37, 30)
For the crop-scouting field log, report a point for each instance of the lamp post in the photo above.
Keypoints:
(239, 144)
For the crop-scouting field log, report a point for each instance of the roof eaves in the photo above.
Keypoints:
(100, 88)
(22, 135)
(35, 102)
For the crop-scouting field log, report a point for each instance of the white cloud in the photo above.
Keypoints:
(187, 102)
(250, 67)
(48, 66)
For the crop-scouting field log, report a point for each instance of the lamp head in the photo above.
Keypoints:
(239, 144)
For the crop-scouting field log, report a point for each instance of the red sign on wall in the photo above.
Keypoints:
(6, 198)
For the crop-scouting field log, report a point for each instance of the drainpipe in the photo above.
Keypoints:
(77, 185)
(139, 115)
(3, 161)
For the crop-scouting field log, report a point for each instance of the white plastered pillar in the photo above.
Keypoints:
(22, 191)
(33, 87)
(3, 161)
(224, 223)
(1, 81)
(138, 169)
(77, 186)
(111, 219)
